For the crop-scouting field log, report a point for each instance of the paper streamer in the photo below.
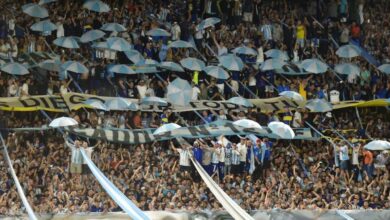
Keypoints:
(30, 212)
(130, 208)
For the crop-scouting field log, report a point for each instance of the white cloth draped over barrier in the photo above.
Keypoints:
(130, 208)
(19, 188)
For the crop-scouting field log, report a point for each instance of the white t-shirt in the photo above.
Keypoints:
(222, 51)
(221, 152)
(195, 93)
(88, 152)
(352, 77)
(60, 30)
(63, 90)
(297, 118)
(355, 156)
(344, 153)
(184, 157)
(260, 55)
(242, 149)
(334, 96)
(25, 89)
(142, 90)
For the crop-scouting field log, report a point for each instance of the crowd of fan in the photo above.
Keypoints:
(296, 175)
(159, 176)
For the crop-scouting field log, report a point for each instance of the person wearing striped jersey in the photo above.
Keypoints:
(221, 158)
(184, 157)
(215, 158)
(235, 159)
(76, 160)
(241, 147)
(228, 158)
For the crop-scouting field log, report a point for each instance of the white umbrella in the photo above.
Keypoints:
(166, 128)
(96, 104)
(292, 95)
(153, 100)
(319, 105)
(378, 145)
(216, 72)
(91, 35)
(63, 122)
(15, 68)
(277, 54)
(245, 50)
(113, 27)
(193, 64)
(118, 44)
(179, 92)
(384, 68)
(347, 68)
(281, 129)
(67, 42)
(231, 62)
(120, 104)
(348, 51)
(314, 66)
(246, 123)
(96, 6)
(272, 64)
(122, 69)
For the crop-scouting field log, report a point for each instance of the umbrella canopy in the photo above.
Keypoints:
(231, 62)
(15, 69)
(246, 123)
(42, 2)
(277, 54)
(120, 104)
(319, 105)
(171, 66)
(158, 32)
(348, 51)
(292, 95)
(347, 68)
(180, 44)
(149, 62)
(272, 64)
(135, 56)
(91, 35)
(179, 92)
(122, 69)
(240, 101)
(96, 104)
(154, 101)
(384, 68)
(50, 65)
(44, 26)
(281, 129)
(314, 66)
(113, 27)
(118, 44)
(100, 45)
(208, 22)
(245, 50)
(193, 64)
(378, 145)
(74, 66)
(216, 72)
(35, 10)
(63, 122)
(67, 42)
(97, 6)
(166, 128)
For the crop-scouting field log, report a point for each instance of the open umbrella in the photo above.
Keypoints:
(74, 66)
(378, 145)
(272, 64)
(180, 44)
(121, 104)
(246, 123)
(292, 95)
(91, 35)
(154, 101)
(240, 101)
(42, 2)
(35, 10)
(158, 32)
(50, 65)
(100, 45)
(277, 54)
(63, 122)
(15, 68)
(179, 92)
(118, 44)
(216, 72)
(166, 128)
(171, 66)
(384, 68)
(231, 62)
(314, 66)
(67, 42)
(96, 104)
(245, 50)
(347, 68)
(148, 62)
(122, 69)
(208, 22)
(348, 51)
(113, 27)
(319, 105)
(281, 129)
(193, 64)
(135, 56)
(44, 26)
(97, 6)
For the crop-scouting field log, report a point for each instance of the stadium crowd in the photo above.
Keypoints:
(159, 176)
